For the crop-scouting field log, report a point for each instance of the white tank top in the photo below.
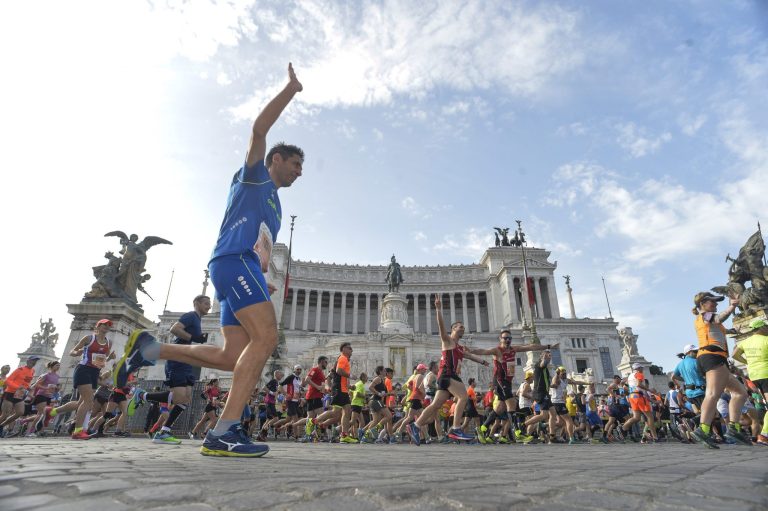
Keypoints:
(522, 401)
(558, 393)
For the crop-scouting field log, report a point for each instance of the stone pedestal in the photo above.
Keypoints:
(625, 366)
(394, 315)
(125, 319)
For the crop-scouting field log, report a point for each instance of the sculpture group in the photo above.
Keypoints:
(505, 241)
(748, 267)
(122, 276)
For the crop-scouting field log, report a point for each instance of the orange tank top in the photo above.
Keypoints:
(712, 339)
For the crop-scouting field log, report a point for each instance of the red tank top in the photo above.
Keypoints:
(450, 361)
(504, 369)
(416, 392)
(95, 354)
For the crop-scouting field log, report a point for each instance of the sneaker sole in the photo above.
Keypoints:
(228, 454)
(128, 347)
(166, 443)
(704, 442)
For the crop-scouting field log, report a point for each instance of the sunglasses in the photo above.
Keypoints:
(507, 338)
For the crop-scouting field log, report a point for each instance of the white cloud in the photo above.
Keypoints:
(471, 243)
(419, 236)
(378, 134)
(691, 125)
(223, 79)
(663, 219)
(367, 54)
(634, 139)
(574, 128)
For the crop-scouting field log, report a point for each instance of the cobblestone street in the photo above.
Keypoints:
(113, 474)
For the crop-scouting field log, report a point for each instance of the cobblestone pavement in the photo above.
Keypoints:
(113, 474)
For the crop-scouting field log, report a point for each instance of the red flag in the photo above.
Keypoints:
(531, 296)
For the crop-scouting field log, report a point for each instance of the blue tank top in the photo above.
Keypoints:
(252, 201)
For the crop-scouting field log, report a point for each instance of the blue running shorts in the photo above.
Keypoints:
(239, 283)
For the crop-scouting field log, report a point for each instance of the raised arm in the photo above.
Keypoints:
(738, 354)
(78, 349)
(536, 347)
(268, 117)
(444, 336)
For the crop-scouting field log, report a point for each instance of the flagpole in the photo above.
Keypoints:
(605, 290)
(288, 266)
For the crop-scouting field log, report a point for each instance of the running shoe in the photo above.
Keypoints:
(165, 437)
(122, 434)
(533, 440)
(762, 439)
(603, 439)
(233, 443)
(445, 440)
(132, 359)
(97, 434)
(458, 434)
(525, 438)
(481, 434)
(81, 435)
(413, 431)
(572, 441)
(737, 436)
(503, 440)
(136, 400)
(309, 428)
(348, 439)
(360, 434)
(703, 438)
(46, 418)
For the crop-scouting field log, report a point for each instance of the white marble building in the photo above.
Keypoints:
(327, 304)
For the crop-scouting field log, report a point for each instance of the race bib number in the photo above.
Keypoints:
(263, 246)
(510, 369)
(99, 360)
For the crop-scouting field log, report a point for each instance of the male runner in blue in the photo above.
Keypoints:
(237, 267)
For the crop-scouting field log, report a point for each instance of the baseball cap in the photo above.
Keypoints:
(706, 295)
(528, 374)
(757, 323)
(297, 366)
(421, 367)
(33, 357)
(561, 368)
(689, 347)
(637, 366)
(104, 322)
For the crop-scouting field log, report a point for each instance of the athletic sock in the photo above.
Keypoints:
(175, 412)
(157, 397)
(735, 425)
(222, 426)
(151, 351)
(706, 428)
(764, 432)
(54, 413)
(76, 431)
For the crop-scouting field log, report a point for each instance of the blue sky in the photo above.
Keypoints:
(631, 139)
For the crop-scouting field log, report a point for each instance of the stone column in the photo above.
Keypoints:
(354, 312)
(553, 305)
(514, 303)
(428, 315)
(367, 312)
(539, 303)
(464, 310)
(453, 307)
(292, 323)
(478, 317)
(318, 312)
(415, 316)
(307, 296)
(331, 297)
(343, 318)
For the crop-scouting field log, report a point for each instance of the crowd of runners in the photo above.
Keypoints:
(325, 403)
(709, 400)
